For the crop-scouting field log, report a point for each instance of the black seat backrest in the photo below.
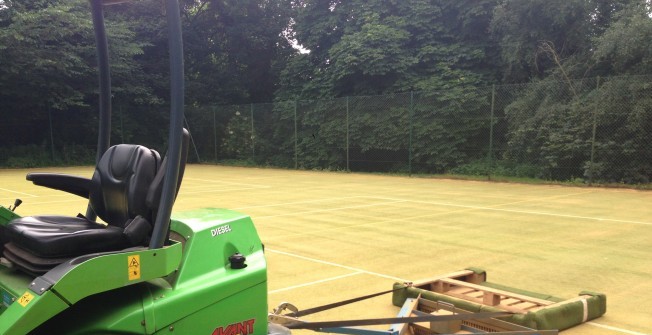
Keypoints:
(121, 182)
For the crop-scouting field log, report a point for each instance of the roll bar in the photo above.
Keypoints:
(162, 224)
(102, 46)
(175, 41)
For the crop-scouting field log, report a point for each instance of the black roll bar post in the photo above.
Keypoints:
(104, 135)
(162, 224)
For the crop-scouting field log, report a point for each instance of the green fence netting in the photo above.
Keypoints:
(592, 130)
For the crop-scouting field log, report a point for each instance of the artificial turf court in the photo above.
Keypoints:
(332, 236)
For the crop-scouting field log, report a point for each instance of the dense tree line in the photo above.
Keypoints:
(234, 53)
(246, 51)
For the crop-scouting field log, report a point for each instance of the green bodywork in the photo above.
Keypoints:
(186, 287)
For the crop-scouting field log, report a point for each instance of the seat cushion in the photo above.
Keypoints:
(63, 236)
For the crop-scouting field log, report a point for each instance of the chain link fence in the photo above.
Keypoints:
(590, 130)
(594, 130)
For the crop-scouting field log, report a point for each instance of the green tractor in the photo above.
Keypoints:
(141, 271)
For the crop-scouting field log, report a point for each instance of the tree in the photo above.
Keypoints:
(376, 47)
(522, 27)
(49, 75)
(46, 51)
(624, 46)
(380, 47)
(553, 123)
(235, 49)
(623, 105)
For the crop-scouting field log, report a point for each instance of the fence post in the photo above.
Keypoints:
(192, 139)
(347, 135)
(595, 126)
(410, 114)
(122, 130)
(253, 136)
(491, 131)
(215, 132)
(51, 132)
(296, 137)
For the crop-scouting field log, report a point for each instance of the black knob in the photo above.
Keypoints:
(237, 261)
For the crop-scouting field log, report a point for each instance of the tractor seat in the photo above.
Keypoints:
(117, 192)
(62, 236)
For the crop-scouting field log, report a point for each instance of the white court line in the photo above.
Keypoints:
(518, 211)
(55, 202)
(401, 219)
(219, 190)
(336, 265)
(407, 219)
(616, 329)
(301, 202)
(27, 194)
(200, 187)
(327, 210)
(360, 271)
(226, 182)
(315, 282)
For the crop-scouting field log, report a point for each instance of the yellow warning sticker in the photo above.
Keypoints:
(134, 267)
(25, 299)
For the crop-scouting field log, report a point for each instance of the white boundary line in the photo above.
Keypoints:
(328, 210)
(517, 211)
(406, 219)
(616, 329)
(301, 202)
(315, 282)
(336, 265)
(218, 190)
(361, 271)
(27, 194)
(226, 182)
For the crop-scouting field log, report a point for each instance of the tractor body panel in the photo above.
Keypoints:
(188, 287)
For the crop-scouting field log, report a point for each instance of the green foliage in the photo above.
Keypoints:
(523, 26)
(449, 127)
(497, 169)
(43, 46)
(380, 47)
(553, 129)
(321, 134)
(376, 51)
(377, 47)
(238, 139)
(29, 156)
(234, 49)
(624, 117)
(625, 46)
(549, 127)
(49, 71)
(280, 148)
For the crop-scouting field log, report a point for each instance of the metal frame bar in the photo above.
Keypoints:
(410, 309)
(162, 224)
(102, 45)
